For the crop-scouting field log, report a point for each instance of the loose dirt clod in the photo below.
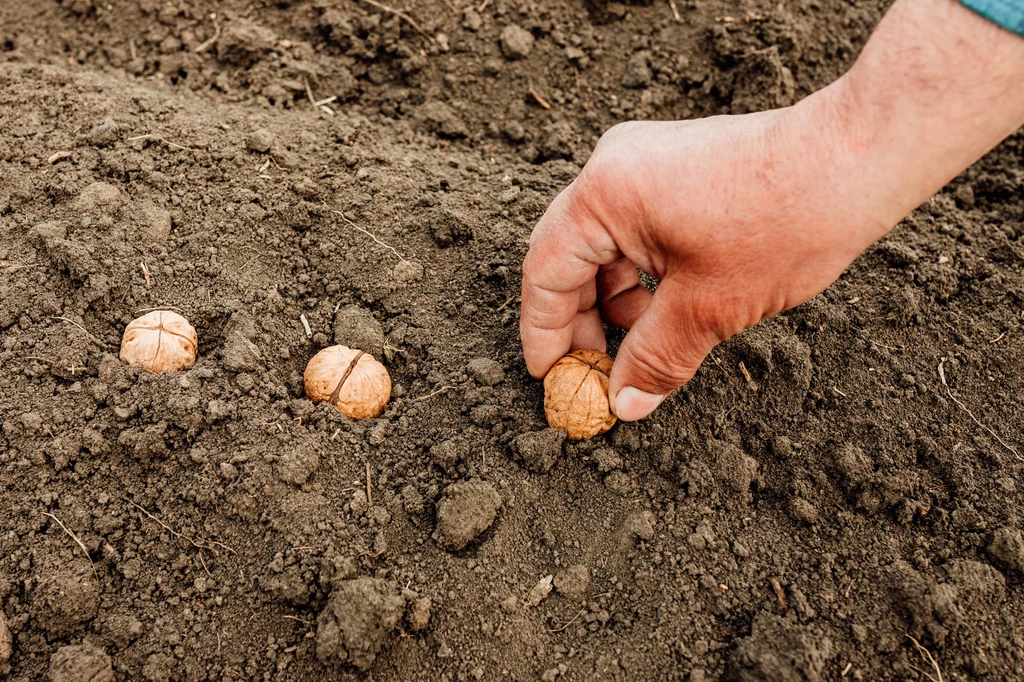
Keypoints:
(576, 394)
(82, 663)
(160, 341)
(354, 624)
(6, 640)
(351, 380)
(466, 510)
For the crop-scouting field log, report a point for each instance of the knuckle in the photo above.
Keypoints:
(661, 368)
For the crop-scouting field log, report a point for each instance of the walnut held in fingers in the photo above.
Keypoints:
(576, 394)
(351, 380)
(160, 341)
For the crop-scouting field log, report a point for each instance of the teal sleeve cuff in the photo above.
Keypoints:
(1007, 13)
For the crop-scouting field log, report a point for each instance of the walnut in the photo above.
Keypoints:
(576, 394)
(160, 341)
(351, 380)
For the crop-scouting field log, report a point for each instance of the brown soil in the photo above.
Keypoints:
(815, 497)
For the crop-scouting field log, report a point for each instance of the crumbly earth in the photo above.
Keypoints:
(832, 483)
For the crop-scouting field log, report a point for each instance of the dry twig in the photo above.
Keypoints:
(369, 488)
(675, 10)
(928, 658)
(154, 136)
(370, 235)
(58, 156)
(77, 541)
(565, 625)
(91, 337)
(431, 395)
(942, 376)
(197, 545)
(216, 34)
(540, 100)
(401, 15)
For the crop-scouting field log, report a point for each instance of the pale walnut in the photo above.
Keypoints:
(576, 394)
(160, 341)
(351, 380)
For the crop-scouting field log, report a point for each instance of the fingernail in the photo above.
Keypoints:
(630, 404)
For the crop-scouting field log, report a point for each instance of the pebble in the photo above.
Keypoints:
(81, 663)
(637, 74)
(465, 511)
(573, 581)
(6, 641)
(516, 42)
(1007, 547)
(407, 272)
(606, 460)
(260, 141)
(359, 503)
(419, 614)
(357, 328)
(487, 372)
(540, 449)
(802, 510)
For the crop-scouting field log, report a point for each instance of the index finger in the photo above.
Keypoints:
(566, 249)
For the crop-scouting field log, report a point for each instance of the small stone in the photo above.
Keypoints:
(487, 372)
(357, 328)
(465, 511)
(448, 453)
(159, 668)
(472, 21)
(1007, 547)
(620, 483)
(606, 460)
(99, 198)
(540, 449)
(239, 354)
(228, 470)
(82, 663)
(297, 465)
(441, 119)
(6, 640)
(43, 232)
(419, 614)
(260, 141)
(516, 42)
(407, 272)
(802, 510)
(355, 622)
(104, 134)
(359, 503)
(638, 73)
(154, 224)
(412, 500)
(573, 581)
(640, 525)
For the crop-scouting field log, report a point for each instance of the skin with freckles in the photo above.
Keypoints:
(741, 217)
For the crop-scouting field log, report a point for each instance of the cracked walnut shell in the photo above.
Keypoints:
(576, 394)
(351, 380)
(160, 341)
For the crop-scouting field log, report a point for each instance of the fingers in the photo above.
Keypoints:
(621, 295)
(661, 352)
(566, 249)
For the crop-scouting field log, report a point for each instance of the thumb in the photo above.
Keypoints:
(661, 352)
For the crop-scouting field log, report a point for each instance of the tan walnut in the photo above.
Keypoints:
(576, 394)
(351, 380)
(160, 341)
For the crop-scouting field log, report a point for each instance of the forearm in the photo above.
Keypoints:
(936, 87)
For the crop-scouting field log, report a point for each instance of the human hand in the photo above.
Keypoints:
(740, 217)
